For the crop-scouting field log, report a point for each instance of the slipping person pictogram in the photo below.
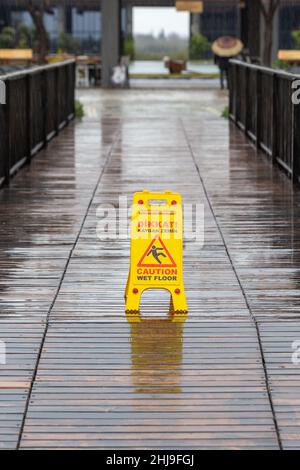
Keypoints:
(154, 252)
(159, 252)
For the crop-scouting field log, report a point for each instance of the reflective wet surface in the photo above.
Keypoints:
(157, 67)
(78, 374)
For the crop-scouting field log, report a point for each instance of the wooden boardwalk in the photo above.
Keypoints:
(78, 375)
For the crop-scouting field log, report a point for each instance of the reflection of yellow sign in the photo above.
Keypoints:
(156, 249)
(156, 353)
(193, 6)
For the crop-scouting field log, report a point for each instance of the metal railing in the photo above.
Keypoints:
(39, 102)
(261, 104)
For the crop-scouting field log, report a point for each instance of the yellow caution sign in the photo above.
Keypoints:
(156, 259)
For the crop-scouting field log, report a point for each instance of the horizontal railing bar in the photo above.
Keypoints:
(284, 165)
(14, 169)
(267, 70)
(251, 135)
(266, 149)
(35, 70)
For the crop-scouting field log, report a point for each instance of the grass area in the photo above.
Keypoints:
(79, 110)
(180, 76)
(225, 113)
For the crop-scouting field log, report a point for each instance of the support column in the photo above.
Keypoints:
(61, 14)
(195, 23)
(275, 40)
(68, 18)
(111, 38)
(128, 22)
(275, 35)
(4, 17)
(251, 23)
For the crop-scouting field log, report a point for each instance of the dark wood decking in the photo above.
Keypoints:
(77, 373)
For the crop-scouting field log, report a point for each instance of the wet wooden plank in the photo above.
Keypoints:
(160, 376)
(41, 214)
(284, 375)
(104, 383)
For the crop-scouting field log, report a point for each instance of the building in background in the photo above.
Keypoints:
(219, 18)
(237, 17)
(82, 20)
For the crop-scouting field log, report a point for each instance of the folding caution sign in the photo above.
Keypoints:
(156, 250)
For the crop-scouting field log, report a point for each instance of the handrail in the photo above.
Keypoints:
(40, 101)
(268, 70)
(262, 105)
(34, 70)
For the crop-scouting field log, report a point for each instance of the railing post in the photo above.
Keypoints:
(248, 97)
(73, 69)
(28, 117)
(296, 142)
(67, 93)
(7, 157)
(237, 95)
(258, 109)
(45, 105)
(275, 118)
(56, 100)
(230, 89)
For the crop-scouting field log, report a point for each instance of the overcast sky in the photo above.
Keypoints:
(153, 20)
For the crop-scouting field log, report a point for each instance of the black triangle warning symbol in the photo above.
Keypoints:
(157, 254)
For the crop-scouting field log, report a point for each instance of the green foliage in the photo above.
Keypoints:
(199, 45)
(7, 38)
(149, 47)
(67, 43)
(21, 38)
(26, 37)
(79, 110)
(225, 113)
(296, 38)
(129, 49)
(281, 64)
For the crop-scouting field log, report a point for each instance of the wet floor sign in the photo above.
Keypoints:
(156, 259)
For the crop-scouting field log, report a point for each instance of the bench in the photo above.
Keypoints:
(292, 56)
(9, 56)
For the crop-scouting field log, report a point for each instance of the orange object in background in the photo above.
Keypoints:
(193, 6)
(16, 56)
(289, 56)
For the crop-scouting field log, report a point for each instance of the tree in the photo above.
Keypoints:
(7, 38)
(20, 38)
(198, 46)
(67, 43)
(296, 38)
(129, 49)
(25, 37)
(268, 9)
(37, 9)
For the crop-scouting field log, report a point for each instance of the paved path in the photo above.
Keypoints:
(78, 375)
